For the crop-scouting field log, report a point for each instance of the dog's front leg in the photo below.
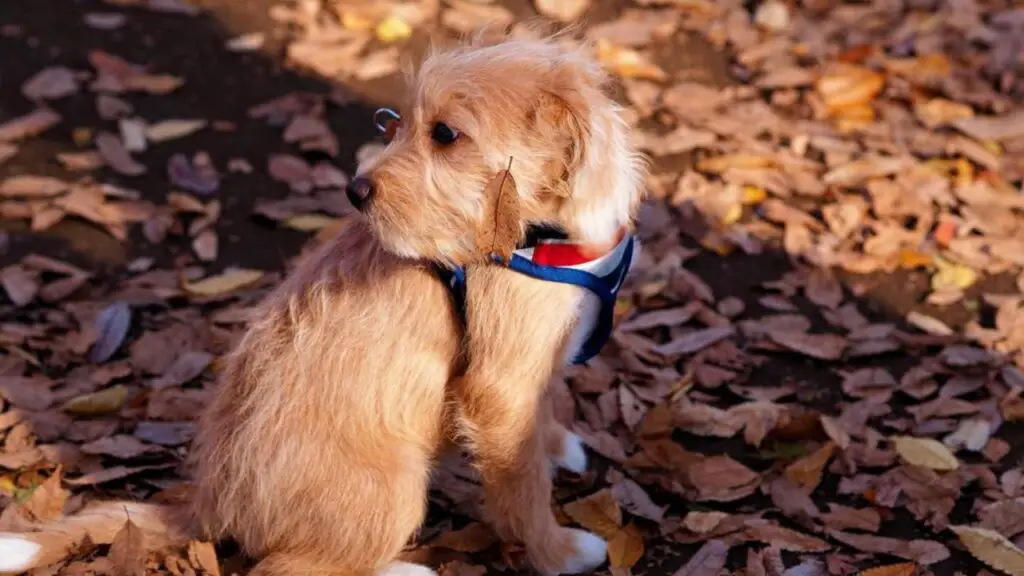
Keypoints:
(516, 329)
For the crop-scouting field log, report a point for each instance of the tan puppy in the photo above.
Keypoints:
(316, 451)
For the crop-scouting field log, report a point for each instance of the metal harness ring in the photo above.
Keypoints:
(383, 125)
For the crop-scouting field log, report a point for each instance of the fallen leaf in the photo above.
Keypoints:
(29, 186)
(635, 500)
(904, 569)
(205, 245)
(119, 446)
(31, 124)
(925, 452)
(499, 233)
(117, 156)
(246, 42)
(722, 479)
(224, 283)
(475, 537)
(808, 470)
(1005, 127)
(173, 129)
(106, 401)
(925, 552)
(709, 560)
(562, 10)
(598, 512)
(309, 222)
(820, 346)
(627, 63)
(47, 501)
(625, 548)
(197, 175)
(841, 517)
(21, 285)
(393, 29)
(785, 539)
(992, 548)
(849, 85)
(952, 276)
(128, 550)
(111, 325)
(51, 83)
(693, 341)
(203, 555)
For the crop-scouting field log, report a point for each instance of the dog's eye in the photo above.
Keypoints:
(444, 134)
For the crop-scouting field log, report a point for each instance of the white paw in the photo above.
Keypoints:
(17, 554)
(591, 552)
(406, 569)
(574, 457)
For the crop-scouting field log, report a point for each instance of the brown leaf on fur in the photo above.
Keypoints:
(500, 230)
(128, 550)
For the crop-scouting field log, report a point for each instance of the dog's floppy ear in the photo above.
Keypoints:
(600, 175)
(500, 229)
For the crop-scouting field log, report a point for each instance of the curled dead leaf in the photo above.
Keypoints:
(992, 548)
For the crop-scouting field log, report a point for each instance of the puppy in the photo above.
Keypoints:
(316, 450)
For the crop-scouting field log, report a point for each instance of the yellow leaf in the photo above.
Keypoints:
(224, 283)
(992, 548)
(992, 146)
(964, 173)
(357, 22)
(902, 569)
(753, 195)
(850, 118)
(105, 401)
(627, 63)
(393, 29)
(910, 259)
(7, 486)
(807, 471)
(626, 548)
(952, 275)
(939, 111)
(722, 163)
(849, 85)
(732, 214)
(309, 222)
(925, 452)
(172, 129)
(599, 513)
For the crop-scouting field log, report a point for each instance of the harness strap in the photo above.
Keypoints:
(603, 276)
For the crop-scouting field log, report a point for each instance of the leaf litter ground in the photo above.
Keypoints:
(817, 368)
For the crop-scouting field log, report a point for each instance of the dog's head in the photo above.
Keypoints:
(538, 104)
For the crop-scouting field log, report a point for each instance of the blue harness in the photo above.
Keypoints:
(603, 276)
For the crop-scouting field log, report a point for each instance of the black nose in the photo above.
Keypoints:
(359, 191)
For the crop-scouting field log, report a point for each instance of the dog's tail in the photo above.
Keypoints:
(162, 526)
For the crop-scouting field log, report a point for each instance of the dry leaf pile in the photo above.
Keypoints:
(755, 413)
